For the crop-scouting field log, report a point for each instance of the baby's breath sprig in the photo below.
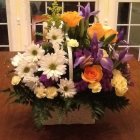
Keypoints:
(55, 10)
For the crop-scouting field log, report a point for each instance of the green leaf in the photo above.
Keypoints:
(97, 109)
(109, 39)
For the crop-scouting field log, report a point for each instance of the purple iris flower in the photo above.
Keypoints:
(123, 56)
(94, 46)
(106, 80)
(80, 56)
(120, 35)
(97, 54)
(46, 82)
(86, 11)
(106, 62)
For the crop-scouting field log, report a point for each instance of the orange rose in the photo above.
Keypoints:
(96, 28)
(71, 18)
(109, 33)
(92, 74)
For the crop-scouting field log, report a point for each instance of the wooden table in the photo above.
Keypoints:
(16, 120)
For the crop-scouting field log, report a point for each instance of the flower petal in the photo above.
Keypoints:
(107, 63)
(79, 61)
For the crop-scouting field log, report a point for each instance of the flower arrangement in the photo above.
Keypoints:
(75, 64)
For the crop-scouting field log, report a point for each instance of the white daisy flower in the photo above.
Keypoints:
(31, 81)
(61, 54)
(67, 88)
(34, 52)
(52, 66)
(26, 69)
(16, 59)
(55, 36)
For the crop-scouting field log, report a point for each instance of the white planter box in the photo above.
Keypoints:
(81, 116)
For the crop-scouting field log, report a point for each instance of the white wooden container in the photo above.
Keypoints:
(81, 116)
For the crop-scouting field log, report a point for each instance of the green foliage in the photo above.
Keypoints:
(108, 40)
(22, 94)
(97, 110)
(55, 14)
(42, 108)
(40, 113)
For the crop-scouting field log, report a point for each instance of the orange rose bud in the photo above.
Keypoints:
(111, 32)
(92, 74)
(71, 18)
(96, 28)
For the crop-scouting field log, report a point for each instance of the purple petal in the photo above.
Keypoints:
(94, 42)
(82, 12)
(123, 53)
(94, 13)
(121, 35)
(100, 54)
(46, 82)
(94, 46)
(107, 63)
(81, 86)
(87, 11)
(127, 58)
(86, 52)
(78, 53)
(79, 61)
(115, 55)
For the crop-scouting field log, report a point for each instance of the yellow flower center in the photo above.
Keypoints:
(66, 88)
(52, 66)
(26, 69)
(34, 52)
(54, 37)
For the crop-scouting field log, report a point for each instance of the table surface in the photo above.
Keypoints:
(16, 120)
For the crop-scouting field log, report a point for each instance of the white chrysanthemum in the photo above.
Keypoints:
(72, 43)
(16, 59)
(31, 82)
(52, 66)
(61, 54)
(55, 36)
(34, 52)
(26, 69)
(67, 88)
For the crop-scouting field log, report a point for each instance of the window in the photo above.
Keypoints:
(4, 42)
(116, 13)
(41, 7)
(124, 14)
(128, 20)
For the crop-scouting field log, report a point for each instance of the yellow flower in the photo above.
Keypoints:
(15, 80)
(71, 18)
(51, 92)
(73, 43)
(119, 83)
(96, 87)
(116, 72)
(97, 29)
(42, 92)
(111, 32)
